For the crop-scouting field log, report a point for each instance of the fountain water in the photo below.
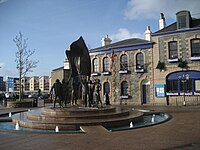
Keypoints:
(153, 118)
(131, 124)
(82, 129)
(17, 126)
(10, 114)
(56, 129)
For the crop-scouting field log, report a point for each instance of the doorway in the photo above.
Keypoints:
(145, 92)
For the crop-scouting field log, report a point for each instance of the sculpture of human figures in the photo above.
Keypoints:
(57, 87)
(75, 87)
(97, 92)
(80, 65)
(65, 92)
(85, 91)
(91, 87)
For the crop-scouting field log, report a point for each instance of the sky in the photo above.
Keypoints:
(52, 25)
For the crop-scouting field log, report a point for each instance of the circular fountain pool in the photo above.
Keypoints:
(134, 119)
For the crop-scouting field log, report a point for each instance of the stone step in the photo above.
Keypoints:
(76, 111)
(35, 116)
(22, 119)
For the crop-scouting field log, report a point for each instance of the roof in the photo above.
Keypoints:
(127, 42)
(60, 68)
(173, 27)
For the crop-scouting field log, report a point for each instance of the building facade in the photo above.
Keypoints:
(124, 69)
(25, 84)
(44, 84)
(1, 84)
(176, 65)
(163, 69)
(34, 84)
(12, 84)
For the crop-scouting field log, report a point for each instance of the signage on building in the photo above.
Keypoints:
(159, 90)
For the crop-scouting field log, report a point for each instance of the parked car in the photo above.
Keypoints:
(44, 96)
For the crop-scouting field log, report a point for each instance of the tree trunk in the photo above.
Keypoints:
(20, 87)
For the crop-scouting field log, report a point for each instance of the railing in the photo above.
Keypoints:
(190, 100)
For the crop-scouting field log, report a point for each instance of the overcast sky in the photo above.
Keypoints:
(52, 25)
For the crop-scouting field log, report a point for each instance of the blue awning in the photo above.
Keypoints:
(193, 75)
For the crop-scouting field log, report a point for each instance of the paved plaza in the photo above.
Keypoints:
(182, 131)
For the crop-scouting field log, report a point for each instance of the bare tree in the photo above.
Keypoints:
(24, 64)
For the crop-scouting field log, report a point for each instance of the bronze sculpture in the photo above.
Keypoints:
(80, 65)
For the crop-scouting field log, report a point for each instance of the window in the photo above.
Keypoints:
(106, 64)
(186, 86)
(195, 48)
(95, 65)
(106, 87)
(124, 88)
(197, 85)
(139, 61)
(182, 22)
(172, 86)
(173, 50)
(124, 62)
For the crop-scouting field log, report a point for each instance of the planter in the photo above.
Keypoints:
(17, 104)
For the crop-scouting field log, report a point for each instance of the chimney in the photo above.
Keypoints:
(162, 23)
(148, 34)
(106, 41)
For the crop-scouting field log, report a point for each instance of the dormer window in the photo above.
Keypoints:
(183, 19)
(182, 22)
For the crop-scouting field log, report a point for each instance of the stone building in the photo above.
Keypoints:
(61, 73)
(124, 69)
(163, 69)
(176, 61)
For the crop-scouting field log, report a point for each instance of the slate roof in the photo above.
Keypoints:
(123, 43)
(173, 27)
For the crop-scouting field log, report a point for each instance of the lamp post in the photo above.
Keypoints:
(184, 79)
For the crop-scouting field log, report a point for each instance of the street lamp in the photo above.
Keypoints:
(184, 79)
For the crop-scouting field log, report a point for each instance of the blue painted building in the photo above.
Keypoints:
(11, 84)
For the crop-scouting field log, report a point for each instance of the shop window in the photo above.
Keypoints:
(197, 85)
(172, 86)
(186, 86)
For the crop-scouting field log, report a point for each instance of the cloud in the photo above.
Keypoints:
(2, 1)
(150, 9)
(123, 33)
(1, 64)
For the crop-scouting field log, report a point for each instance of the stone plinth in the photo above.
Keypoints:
(73, 117)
